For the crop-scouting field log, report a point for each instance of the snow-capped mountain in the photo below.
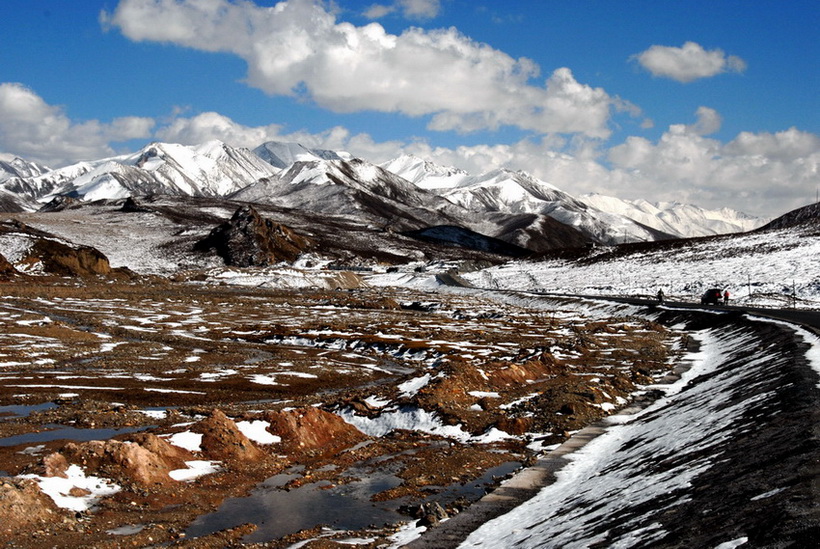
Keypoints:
(357, 188)
(284, 155)
(506, 191)
(407, 193)
(353, 188)
(425, 174)
(19, 168)
(682, 220)
(210, 169)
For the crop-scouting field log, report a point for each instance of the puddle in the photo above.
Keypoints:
(475, 489)
(23, 410)
(127, 530)
(279, 512)
(58, 432)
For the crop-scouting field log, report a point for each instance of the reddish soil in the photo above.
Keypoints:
(102, 353)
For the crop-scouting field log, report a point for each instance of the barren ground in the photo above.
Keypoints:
(136, 363)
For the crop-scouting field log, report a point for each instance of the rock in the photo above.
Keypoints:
(249, 240)
(311, 429)
(24, 506)
(7, 270)
(132, 205)
(55, 465)
(127, 461)
(222, 439)
(430, 514)
(515, 426)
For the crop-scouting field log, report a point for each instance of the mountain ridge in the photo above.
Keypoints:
(408, 192)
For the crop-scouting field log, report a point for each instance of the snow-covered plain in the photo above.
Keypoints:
(767, 269)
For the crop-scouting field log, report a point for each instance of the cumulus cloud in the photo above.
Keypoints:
(708, 122)
(33, 129)
(297, 48)
(208, 126)
(759, 173)
(689, 62)
(411, 9)
(762, 174)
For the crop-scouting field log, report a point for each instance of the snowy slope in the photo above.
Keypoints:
(353, 188)
(283, 155)
(425, 174)
(210, 169)
(683, 220)
(768, 268)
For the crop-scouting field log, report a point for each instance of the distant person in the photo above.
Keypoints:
(725, 297)
(660, 296)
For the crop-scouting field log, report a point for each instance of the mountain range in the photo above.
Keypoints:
(403, 195)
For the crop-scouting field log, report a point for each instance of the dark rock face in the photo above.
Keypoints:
(132, 205)
(249, 240)
(63, 260)
(7, 270)
(60, 203)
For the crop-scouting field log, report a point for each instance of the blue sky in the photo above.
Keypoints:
(713, 103)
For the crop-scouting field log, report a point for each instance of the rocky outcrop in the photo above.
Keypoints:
(145, 464)
(312, 429)
(60, 203)
(24, 505)
(7, 270)
(222, 439)
(249, 240)
(132, 205)
(63, 260)
(46, 254)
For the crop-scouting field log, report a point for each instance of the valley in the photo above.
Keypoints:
(438, 393)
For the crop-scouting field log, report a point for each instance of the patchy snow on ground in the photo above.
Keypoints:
(775, 268)
(196, 469)
(60, 489)
(187, 440)
(257, 431)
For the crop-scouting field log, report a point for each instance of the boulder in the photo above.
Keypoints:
(24, 506)
(222, 439)
(128, 461)
(249, 240)
(312, 429)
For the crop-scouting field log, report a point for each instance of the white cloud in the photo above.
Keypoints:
(689, 62)
(210, 125)
(760, 173)
(709, 122)
(298, 48)
(411, 9)
(32, 129)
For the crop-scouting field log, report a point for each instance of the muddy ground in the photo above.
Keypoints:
(102, 375)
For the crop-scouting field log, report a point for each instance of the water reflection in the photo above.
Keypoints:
(23, 410)
(58, 432)
(279, 512)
